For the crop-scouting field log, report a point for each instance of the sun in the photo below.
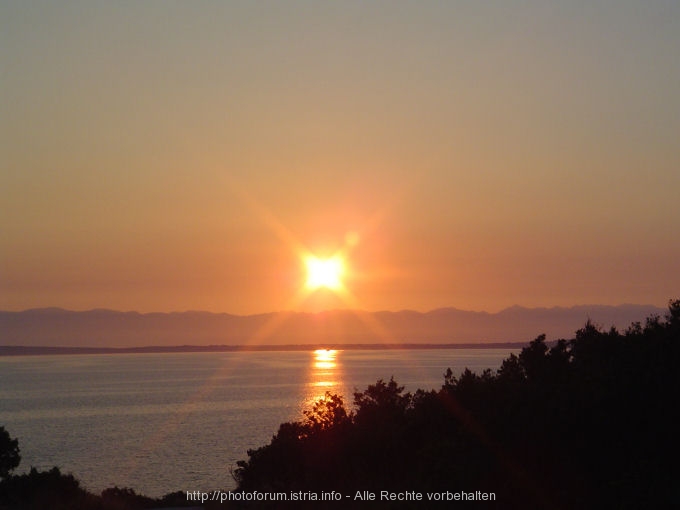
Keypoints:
(324, 273)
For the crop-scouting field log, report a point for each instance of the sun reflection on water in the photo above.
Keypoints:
(325, 358)
(324, 375)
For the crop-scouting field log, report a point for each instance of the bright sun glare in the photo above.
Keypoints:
(324, 272)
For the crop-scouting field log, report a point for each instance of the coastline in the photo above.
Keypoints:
(18, 350)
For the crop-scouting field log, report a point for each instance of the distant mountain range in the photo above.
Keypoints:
(55, 327)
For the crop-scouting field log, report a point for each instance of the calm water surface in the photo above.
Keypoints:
(164, 422)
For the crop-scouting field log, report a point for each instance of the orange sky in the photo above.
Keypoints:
(176, 156)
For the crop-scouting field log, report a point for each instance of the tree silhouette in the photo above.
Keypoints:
(326, 413)
(9, 453)
(579, 423)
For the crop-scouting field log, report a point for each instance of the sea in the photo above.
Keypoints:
(160, 423)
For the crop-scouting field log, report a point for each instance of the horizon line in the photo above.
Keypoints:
(333, 310)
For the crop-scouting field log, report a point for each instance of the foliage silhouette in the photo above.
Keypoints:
(9, 453)
(581, 423)
(37, 490)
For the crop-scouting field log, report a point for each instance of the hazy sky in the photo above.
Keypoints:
(161, 156)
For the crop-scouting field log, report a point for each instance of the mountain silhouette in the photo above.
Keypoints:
(55, 327)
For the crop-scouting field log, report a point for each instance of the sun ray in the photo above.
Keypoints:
(329, 272)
